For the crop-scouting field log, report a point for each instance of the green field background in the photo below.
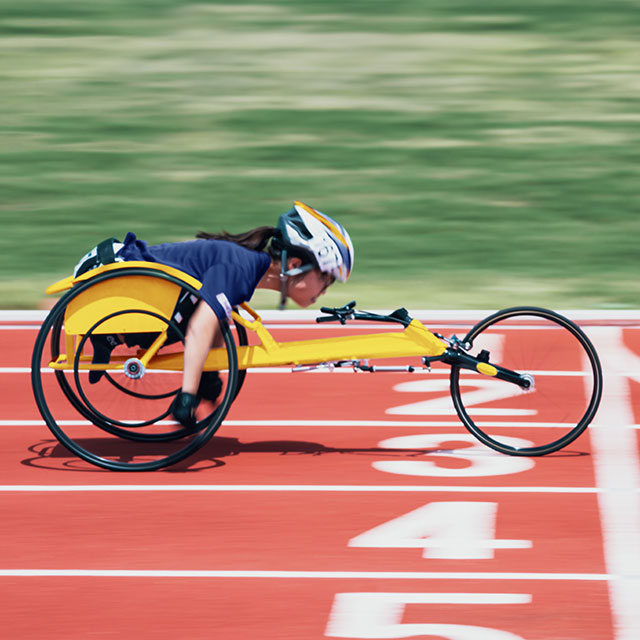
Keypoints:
(481, 154)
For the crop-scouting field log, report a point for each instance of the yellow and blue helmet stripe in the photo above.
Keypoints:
(325, 241)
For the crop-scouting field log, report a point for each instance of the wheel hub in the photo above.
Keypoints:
(134, 369)
(531, 380)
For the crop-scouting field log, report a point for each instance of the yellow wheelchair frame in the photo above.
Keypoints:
(110, 297)
(141, 297)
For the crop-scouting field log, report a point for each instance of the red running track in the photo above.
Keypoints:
(306, 518)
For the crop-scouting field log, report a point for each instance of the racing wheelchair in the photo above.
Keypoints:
(521, 370)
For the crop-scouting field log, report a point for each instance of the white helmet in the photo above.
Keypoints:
(321, 243)
(324, 241)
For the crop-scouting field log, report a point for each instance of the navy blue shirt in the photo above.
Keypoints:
(229, 273)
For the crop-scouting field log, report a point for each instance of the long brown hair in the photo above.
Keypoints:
(256, 239)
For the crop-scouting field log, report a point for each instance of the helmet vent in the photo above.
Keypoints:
(301, 228)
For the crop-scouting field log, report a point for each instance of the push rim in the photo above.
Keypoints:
(93, 411)
(52, 327)
(95, 417)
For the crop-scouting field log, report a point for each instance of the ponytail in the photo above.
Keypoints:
(256, 239)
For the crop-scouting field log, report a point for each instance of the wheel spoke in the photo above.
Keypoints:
(121, 421)
(564, 370)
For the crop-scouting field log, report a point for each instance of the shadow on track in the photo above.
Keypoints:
(50, 454)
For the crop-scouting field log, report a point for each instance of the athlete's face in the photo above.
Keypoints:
(305, 289)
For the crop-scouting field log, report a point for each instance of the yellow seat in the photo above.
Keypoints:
(141, 292)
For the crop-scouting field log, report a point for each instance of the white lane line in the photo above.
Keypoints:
(434, 315)
(286, 369)
(333, 575)
(347, 424)
(312, 488)
(617, 469)
(263, 370)
(19, 327)
(379, 327)
(270, 423)
(283, 369)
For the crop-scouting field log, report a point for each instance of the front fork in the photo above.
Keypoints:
(456, 355)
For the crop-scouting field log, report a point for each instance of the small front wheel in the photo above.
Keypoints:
(564, 374)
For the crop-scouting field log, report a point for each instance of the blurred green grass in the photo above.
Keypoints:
(480, 155)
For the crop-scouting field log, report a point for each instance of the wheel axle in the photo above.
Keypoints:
(134, 369)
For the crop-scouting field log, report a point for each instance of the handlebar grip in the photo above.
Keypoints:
(327, 318)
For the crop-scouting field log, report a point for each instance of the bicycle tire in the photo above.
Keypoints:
(243, 341)
(50, 331)
(563, 341)
(77, 402)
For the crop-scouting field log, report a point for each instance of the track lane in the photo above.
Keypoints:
(287, 609)
(318, 524)
(289, 531)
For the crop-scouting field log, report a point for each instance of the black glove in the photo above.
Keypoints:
(184, 410)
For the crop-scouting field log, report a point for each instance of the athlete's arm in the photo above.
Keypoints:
(203, 327)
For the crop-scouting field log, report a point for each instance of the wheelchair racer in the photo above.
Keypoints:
(301, 257)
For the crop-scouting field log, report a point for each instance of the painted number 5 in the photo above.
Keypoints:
(379, 615)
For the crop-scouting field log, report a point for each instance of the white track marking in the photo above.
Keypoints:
(288, 370)
(617, 468)
(345, 424)
(331, 575)
(451, 598)
(436, 315)
(380, 614)
(476, 391)
(19, 327)
(482, 461)
(460, 530)
(617, 472)
(312, 488)
(458, 326)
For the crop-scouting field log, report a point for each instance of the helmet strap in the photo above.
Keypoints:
(284, 277)
(284, 280)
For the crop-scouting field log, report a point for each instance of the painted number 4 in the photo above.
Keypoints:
(454, 530)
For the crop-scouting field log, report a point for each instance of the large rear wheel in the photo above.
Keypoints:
(92, 419)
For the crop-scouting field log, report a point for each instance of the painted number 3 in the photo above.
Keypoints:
(481, 461)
